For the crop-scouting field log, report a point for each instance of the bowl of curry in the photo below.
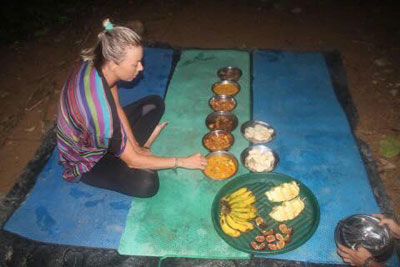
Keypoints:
(222, 120)
(222, 103)
(218, 140)
(229, 73)
(221, 165)
(226, 87)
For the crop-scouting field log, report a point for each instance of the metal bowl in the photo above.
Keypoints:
(229, 73)
(224, 154)
(222, 98)
(363, 229)
(226, 87)
(252, 123)
(217, 134)
(263, 149)
(221, 120)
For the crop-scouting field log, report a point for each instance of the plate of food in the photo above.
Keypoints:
(265, 213)
(257, 132)
(221, 165)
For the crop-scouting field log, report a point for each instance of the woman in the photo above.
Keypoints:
(361, 256)
(99, 142)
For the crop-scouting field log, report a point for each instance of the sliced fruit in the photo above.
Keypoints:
(260, 222)
(272, 247)
(283, 228)
(279, 236)
(257, 246)
(260, 238)
(280, 244)
(283, 192)
(270, 238)
(288, 210)
(270, 231)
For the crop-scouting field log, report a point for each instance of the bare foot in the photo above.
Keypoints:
(155, 133)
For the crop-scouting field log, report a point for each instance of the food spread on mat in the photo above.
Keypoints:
(220, 167)
(283, 192)
(259, 160)
(222, 104)
(259, 133)
(218, 141)
(226, 89)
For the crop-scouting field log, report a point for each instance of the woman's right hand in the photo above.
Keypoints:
(196, 161)
(390, 223)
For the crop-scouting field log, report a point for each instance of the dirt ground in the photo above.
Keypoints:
(367, 34)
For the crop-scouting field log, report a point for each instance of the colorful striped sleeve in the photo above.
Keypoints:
(97, 111)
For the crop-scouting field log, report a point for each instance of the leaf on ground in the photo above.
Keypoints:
(389, 147)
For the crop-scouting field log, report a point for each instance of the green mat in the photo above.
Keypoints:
(177, 221)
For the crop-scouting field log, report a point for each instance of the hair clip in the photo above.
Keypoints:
(108, 25)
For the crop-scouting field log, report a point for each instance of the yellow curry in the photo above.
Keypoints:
(220, 167)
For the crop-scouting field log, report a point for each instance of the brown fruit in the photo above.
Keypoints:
(260, 222)
(287, 238)
(260, 238)
(279, 237)
(280, 244)
(270, 231)
(283, 228)
(270, 238)
(265, 233)
(257, 246)
(289, 231)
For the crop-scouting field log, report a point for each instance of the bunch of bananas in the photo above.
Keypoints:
(237, 210)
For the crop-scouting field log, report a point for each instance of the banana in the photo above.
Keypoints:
(249, 226)
(236, 225)
(244, 203)
(249, 208)
(243, 215)
(237, 193)
(226, 228)
(241, 197)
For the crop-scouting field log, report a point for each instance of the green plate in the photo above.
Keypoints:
(303, 225)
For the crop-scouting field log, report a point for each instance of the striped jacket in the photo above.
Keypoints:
(85, 123)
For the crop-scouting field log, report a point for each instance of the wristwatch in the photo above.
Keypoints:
(368, 262)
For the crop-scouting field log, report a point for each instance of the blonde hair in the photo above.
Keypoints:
(111, 45)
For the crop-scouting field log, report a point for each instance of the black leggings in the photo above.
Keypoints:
(112, 173)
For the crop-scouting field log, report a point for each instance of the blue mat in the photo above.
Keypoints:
(293, 92)
(59, 212)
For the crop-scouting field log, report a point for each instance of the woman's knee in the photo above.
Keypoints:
(146, 184)
(158, 101)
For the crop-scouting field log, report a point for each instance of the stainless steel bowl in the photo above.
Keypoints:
(218, 133)
(222, 120)
(229, 73)
(363, 229)
(234, 84)
(222, 98)
(263, 149)
(253, 123)
(225, 154)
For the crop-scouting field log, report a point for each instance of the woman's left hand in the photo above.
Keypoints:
(354, 257)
